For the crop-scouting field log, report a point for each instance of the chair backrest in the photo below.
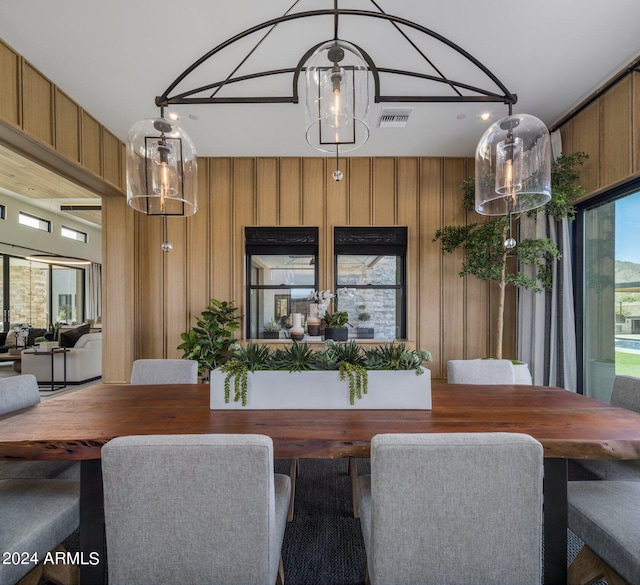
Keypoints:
(626, 392)
(480, 372)
(18, 392)
(190, 509)
(456, 508)
(159, 371)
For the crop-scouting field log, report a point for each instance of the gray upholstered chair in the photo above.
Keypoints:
(625, 394)
(462, 508)
(191, 509)
(606, 516)
(480, 372)
(37, 515)
(160, 371)
(17, 392)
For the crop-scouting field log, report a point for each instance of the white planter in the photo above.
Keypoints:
(324, 390)
(522, 374)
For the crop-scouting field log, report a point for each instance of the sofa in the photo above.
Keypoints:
(84, 362)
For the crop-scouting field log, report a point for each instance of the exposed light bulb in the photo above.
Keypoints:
(509, 243)
(337, 175)
(167, 246)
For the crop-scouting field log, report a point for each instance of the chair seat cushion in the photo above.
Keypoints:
(611, 470)
(606, 516)
(37, 515)
(39, 470)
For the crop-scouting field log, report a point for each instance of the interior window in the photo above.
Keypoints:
(282, 271)
(370, 276)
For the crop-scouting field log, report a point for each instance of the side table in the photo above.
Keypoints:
(52, 355)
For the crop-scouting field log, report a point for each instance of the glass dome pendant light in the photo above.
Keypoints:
(337, 99)
(513, 168)
(161, 171)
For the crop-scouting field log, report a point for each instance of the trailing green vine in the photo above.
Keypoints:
(237, 371)
(358, 379)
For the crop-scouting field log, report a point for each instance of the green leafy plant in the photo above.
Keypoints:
(487, 258)
(272, 326)
(297, 357)
(349, 359)
(209, 340)
(337, 320)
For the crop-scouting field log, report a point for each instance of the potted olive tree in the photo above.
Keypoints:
(486, 256)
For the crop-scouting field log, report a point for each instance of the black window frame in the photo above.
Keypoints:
(373, 240)
(265, 241)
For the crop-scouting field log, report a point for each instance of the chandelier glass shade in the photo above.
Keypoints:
(513, 166)
(162, 169)
(337, 98)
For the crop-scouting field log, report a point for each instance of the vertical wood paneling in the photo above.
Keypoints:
(110, 158)
(430, 276)
(476, 301)
(408, 216)
(152, 327)
(222, 228)
(267, 191)
(337, 215)
(10, 88)
(37, 104)
(198, 261)
(244, 214)
(384, 191)
(175, 285)
(67, 127)
(290, 191)
(453, 315)
(91, 144)
(615, 133)
(360, 191)
(119, 268)
(313, 187)
(446, 314)
(586, 139)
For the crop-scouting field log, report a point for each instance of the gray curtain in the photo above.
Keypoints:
(93, 291)
(546, 320)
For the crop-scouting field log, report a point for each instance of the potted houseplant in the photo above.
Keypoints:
(271, 330)
(486, 256)
(341, 375)
(209, 340)
(335, 325)
(364, 332)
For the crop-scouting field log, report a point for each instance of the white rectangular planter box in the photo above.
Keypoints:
(324, 390)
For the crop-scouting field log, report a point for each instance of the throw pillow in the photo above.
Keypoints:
(69, 337)
(33, 333)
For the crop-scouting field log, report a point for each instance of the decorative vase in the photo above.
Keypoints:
(313, 326)
(336, 333)
(296, 332)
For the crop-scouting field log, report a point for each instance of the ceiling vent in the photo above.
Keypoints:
(394, 117)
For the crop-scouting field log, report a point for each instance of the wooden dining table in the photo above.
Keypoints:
(77, 425)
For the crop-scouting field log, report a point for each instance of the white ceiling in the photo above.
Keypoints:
(114, 57)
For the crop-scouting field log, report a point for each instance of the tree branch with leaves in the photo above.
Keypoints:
(487, 258)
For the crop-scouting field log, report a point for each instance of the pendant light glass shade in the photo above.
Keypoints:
(337, 85)
(513, 166)
(162, 169)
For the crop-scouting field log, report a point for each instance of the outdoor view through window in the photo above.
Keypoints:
(611, 294)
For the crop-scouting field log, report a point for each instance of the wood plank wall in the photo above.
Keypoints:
(448, 315)
(608, 130)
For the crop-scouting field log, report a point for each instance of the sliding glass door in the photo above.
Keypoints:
(39, 294)
(611, 291)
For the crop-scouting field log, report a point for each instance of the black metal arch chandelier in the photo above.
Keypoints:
(338, 74)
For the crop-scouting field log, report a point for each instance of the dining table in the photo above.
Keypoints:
(76, 426)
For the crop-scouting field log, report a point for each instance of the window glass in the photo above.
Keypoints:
(281, 274)
(611, 294)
